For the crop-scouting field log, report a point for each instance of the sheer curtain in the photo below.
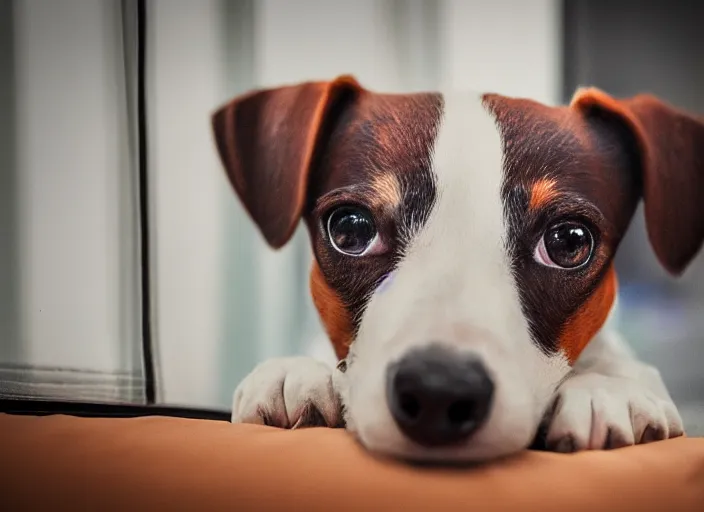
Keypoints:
(69, 303)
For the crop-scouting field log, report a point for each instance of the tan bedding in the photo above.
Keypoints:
(64, 463)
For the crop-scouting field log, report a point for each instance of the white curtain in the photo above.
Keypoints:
(69, 323)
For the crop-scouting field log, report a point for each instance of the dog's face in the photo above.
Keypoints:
(463, 244)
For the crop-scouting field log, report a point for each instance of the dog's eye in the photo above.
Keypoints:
(351, 230)
(567, 245)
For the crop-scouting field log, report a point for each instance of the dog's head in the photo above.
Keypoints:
(463, 244)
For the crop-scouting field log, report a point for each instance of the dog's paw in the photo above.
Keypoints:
(593, 412)
(292, 392)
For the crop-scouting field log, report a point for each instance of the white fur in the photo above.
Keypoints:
(468, 299)
(279, 390)
(611, 389)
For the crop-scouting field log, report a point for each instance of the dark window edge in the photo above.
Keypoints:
(105, 410)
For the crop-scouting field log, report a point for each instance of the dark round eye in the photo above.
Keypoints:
(566, 245)
(351, 230)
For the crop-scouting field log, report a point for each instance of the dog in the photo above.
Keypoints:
(464, 261)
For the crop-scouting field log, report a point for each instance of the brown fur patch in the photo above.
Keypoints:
(542, 192)
(377, 157)
(268, 140)
(303, 150)
(595, 184)
(333, 313)
(387, 190)
(589, 318)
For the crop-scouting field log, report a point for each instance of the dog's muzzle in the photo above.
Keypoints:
(438, 396)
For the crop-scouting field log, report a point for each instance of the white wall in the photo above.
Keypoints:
(185, 67)
(510, 47)
(311, 39)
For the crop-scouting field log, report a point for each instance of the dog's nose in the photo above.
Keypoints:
(438, 396)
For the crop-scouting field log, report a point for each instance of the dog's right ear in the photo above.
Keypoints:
(268, 141)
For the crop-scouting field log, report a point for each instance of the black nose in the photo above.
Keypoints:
(438, 396)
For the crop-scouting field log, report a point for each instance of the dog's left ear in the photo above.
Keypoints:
(669, 146)
(269, 140)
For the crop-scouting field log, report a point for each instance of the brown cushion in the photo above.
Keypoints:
(62, 463)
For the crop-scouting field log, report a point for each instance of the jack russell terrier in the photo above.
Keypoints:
(464, 249)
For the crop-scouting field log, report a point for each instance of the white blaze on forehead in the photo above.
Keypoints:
(454, 285)
(456, 265)
(464, 237)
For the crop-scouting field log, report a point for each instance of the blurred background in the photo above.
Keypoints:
(120, 235)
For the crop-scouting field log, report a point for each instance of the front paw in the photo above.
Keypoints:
(291, 392)
(593, 412)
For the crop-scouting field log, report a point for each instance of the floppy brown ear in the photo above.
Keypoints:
(670, 150)
(268, 141)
